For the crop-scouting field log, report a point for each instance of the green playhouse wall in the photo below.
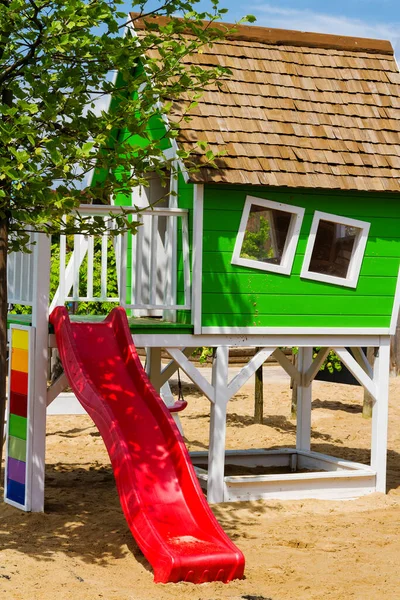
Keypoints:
(237, 296)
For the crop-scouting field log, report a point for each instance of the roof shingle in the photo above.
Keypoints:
(299, 110)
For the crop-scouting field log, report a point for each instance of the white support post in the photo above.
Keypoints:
(40, 321)
(304, 394)
(380, 414)
(216, 453)
(153, 367)
(197, 256)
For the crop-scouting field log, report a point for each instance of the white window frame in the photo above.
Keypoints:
(357, 256)
(289, 249)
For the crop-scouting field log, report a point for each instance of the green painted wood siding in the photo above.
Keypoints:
(237, 296)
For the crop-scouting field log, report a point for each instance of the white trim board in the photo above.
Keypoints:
(357, 254)
(289, 250)
(197, 256)
(186, 340)
(396, 307)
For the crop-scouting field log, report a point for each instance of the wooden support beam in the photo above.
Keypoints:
(40, 320)
(56, 388)
(380, 415)
(192, 372)
(216, 453)
(315, 366)
(153, 367)
(288, 366)
(303, 431)
(362, 360)
(172, 367)
(248, 371)
(356, 370)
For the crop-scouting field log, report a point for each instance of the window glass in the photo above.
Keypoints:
(333, 248)
(265, 235)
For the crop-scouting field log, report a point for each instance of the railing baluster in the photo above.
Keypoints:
(76, 265)
(186, 266)
(139, 264)
(104, 261)
(153, 261)
(63, 252)
(90, 266)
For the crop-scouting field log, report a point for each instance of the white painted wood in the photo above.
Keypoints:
(380, 415)
(153, 367)
(216, 459)
(123, 263)
(356, 370)
(304, 396)
(247, 371)
(153, 261)
(249, 458)
(104, 263)
(362, 360)
(396, 307)
(192, 372)
(315, 366)
(357, 256)
(197, 256)
(57, 388)
(90, 258)
(289, 250)
(168, 339)
(342, 480)
(287, 365)
(172, 367)
(137, 294)
(67, 273)
(40, 319)
(19, 280)
(169, 400)
(186, 266)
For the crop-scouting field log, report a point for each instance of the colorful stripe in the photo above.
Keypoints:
(15, 488)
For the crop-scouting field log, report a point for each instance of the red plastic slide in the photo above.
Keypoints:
(158, 489)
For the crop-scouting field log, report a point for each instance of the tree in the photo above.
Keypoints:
(55, 56)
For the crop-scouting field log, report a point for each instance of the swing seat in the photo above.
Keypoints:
(178, 406)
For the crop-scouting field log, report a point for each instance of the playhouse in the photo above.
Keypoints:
(294, 240)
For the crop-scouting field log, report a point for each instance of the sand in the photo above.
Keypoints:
(81, 548)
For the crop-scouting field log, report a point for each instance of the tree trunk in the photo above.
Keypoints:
(259, 395)
(3, 326)
(368, 399)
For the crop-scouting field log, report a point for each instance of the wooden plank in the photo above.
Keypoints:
(248, 371)
(263, 304)
(356, 370)
(380, 407)
(284, 37)
(216, 452)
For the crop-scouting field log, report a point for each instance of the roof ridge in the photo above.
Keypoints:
(282, 37)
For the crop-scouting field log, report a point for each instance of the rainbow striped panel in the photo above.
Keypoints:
(15, 489)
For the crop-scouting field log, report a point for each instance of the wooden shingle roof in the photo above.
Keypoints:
(299, 110)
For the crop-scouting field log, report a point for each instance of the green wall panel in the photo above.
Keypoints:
(239, 296)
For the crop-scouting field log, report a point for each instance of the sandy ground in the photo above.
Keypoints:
(81, 548)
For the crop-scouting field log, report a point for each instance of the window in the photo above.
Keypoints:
(268, 235)
(335, 249)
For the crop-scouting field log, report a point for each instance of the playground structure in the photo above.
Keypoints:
(326, 274)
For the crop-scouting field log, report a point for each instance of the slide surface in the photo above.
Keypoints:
(161, 498)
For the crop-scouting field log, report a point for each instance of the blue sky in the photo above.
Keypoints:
(361, 18)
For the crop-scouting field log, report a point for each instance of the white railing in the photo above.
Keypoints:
(145, 264)
(20, 275)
